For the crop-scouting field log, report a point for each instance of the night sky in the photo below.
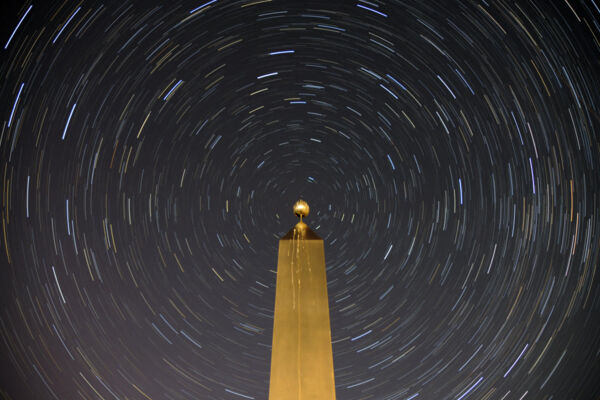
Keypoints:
(151, 154)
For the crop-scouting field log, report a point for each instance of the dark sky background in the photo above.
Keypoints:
(151, 153)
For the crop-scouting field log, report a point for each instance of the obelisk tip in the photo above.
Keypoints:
(301, 209)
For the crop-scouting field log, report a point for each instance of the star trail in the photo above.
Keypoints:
(151, 153)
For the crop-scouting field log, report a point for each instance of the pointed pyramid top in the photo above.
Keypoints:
(301, 230)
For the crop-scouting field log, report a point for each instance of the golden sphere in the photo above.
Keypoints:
(301, 208)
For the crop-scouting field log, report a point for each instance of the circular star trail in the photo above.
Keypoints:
(151, 154)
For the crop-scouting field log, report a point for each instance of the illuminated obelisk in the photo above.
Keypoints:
(301, 357)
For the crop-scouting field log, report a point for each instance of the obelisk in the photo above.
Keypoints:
(301, 356)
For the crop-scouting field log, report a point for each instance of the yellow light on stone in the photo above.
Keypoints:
(301, 356)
